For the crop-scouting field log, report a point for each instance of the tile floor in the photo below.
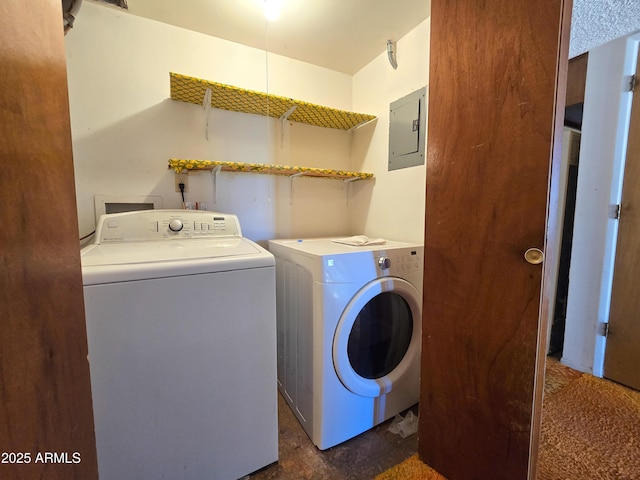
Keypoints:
(360, 458)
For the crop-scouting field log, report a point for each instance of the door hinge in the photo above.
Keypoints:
(604, 329)
(633, 81)
(615, 211)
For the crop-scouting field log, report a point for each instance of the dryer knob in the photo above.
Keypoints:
(175, 225)
(384, 263)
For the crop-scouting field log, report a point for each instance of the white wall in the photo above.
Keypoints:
(600, 172)
(395, 207)
(125, 127)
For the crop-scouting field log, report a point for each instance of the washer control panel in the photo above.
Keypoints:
(146, 225)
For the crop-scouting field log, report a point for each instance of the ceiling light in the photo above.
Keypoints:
(272, 9)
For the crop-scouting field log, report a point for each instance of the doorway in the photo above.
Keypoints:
(602, 150)
(568, 177)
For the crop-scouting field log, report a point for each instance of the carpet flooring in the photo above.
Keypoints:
(590, 431)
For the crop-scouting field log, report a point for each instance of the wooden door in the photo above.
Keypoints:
(46, 421)
(496, 102)
(622, 354)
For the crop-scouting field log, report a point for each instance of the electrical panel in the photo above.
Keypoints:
(407, 129)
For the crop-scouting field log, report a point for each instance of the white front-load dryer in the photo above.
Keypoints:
(349, 333)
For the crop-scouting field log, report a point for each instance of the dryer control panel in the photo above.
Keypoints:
(148, 225)
(401, 262)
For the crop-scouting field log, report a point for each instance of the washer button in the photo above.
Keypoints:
(384, 263)
(175, 225)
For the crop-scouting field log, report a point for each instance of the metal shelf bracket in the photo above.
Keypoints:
(348, 182)
(291, 179)
(214, 173)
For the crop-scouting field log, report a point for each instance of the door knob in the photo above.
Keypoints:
(534, 256)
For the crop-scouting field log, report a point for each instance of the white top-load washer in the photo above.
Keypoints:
(349, 333)
(180, 312)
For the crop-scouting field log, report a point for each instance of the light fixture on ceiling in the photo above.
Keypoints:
(272, 9)
(391, 52)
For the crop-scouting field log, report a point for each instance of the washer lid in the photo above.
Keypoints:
(115, 262)
(144, 252)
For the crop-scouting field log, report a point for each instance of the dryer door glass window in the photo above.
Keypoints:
(380, 336)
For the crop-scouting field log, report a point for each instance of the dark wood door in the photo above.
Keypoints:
(622, 356)
(497, 70)
(46, 421)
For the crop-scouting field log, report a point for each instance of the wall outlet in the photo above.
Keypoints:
(182, 177)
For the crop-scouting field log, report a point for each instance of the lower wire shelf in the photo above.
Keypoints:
(180, 165)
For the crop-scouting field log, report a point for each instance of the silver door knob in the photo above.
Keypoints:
(534, 256)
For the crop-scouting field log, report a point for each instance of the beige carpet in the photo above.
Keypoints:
(590, 431)
(411, 469)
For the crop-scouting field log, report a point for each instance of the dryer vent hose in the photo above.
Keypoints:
(70, 10)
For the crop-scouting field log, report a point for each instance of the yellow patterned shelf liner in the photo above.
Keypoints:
(179, 165)
(227, 97)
